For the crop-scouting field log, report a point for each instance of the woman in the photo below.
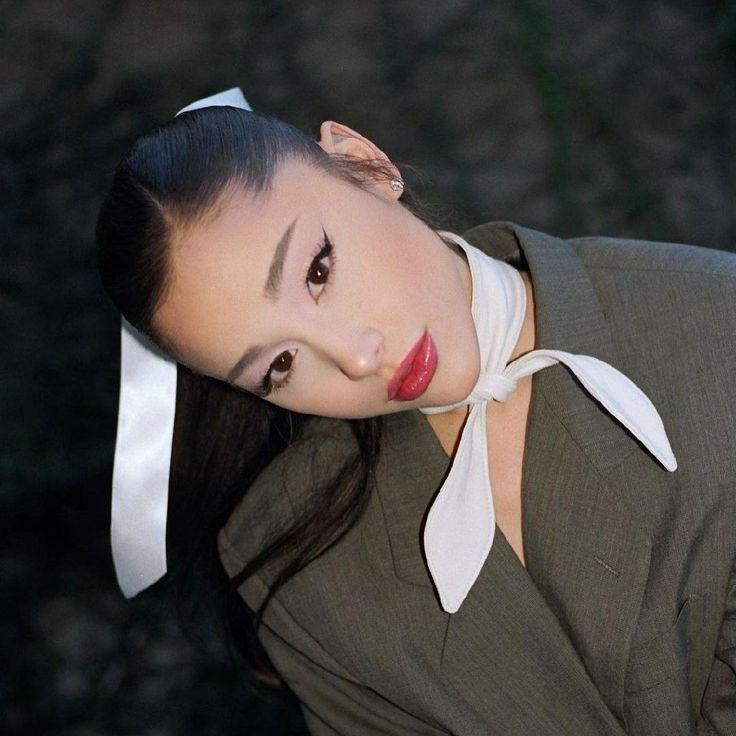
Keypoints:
(329, 342)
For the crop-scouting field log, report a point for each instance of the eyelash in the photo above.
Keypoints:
(327, 250)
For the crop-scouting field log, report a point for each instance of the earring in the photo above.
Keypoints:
(396, 184)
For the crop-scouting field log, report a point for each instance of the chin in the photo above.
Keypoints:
(461, 388)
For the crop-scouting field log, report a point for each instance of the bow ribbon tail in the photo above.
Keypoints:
(463, 509)
(618, 394)
(140, 478)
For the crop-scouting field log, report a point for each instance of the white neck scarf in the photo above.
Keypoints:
(463, 509)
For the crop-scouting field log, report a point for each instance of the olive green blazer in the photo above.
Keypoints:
(624, 620)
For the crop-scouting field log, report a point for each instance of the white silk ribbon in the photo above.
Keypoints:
(460, 525)
(145, 432)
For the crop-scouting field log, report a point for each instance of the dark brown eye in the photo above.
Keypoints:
(282, 364)
(319, 272)
(281, 370)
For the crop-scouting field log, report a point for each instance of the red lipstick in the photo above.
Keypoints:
(415, 371)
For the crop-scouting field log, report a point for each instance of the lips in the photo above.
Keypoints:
(415, 371)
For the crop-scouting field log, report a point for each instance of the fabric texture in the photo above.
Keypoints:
(622, 621)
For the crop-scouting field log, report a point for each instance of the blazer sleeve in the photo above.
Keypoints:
(718, 709)
(331, 699)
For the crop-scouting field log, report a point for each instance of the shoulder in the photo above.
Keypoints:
(660, 289)
(681, 297)
(505, 239)
(669, 307)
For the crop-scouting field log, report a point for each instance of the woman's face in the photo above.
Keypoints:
(314, 295)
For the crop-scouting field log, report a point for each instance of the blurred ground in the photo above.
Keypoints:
(573, 117)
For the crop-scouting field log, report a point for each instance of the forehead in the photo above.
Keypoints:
(248, 215)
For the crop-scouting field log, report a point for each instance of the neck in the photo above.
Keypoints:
(448, 425)
(527, 336)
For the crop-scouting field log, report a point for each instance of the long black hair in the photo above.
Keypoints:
(223, 438)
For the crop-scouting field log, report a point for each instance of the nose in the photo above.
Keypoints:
(357, 353)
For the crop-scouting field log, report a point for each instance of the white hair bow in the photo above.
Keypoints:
(145, 431)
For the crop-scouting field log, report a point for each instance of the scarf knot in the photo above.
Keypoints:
(492, 387)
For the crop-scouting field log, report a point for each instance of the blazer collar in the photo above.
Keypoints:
(607, 538)
(568, 317)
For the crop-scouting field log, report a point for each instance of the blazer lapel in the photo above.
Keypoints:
(410, 472)
(505, 650)
(586, 552)
(586, 547)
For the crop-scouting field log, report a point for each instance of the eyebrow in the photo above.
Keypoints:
(249, 357)
(271, 292)
(273, 282)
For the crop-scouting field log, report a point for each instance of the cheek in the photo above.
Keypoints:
(401, 271)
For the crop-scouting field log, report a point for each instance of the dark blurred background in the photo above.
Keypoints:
(573, 117)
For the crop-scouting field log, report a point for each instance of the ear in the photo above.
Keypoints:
(340, 139)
